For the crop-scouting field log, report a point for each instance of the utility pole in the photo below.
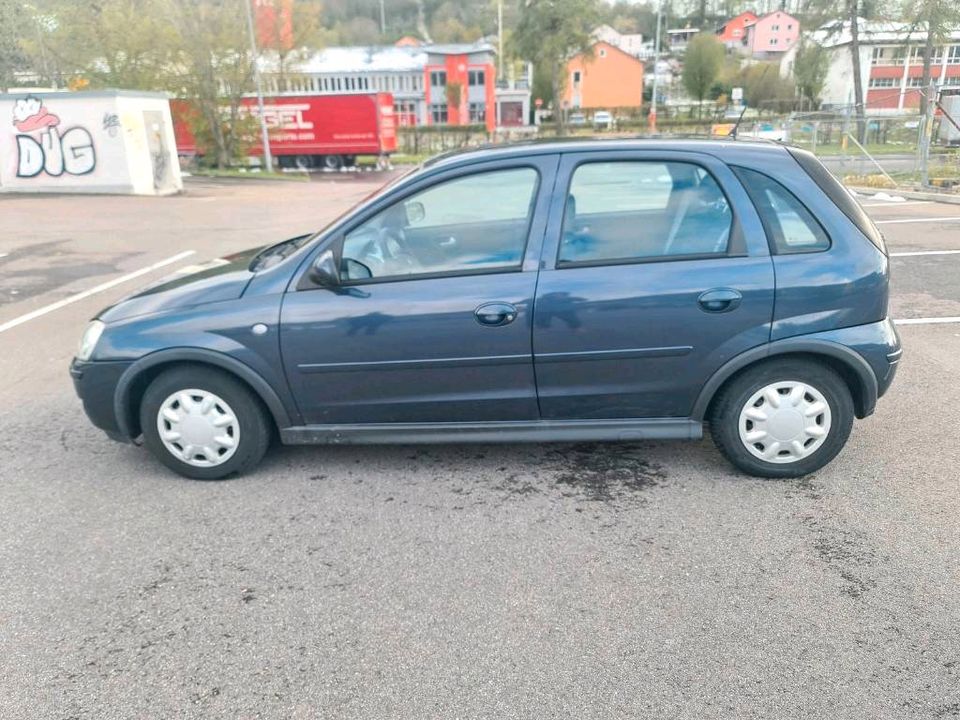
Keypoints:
(264, 135)
(500, 39)
(926, 132)
(656, 57)
(383, 19)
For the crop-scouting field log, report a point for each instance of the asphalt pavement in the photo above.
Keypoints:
(643, 580)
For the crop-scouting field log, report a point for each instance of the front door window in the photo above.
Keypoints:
(467, 225)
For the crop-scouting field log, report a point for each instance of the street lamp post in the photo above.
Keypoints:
(264, 135)
(656, 58)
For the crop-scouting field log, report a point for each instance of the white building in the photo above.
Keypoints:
(108, 141)
(631, 43)
(891, 65)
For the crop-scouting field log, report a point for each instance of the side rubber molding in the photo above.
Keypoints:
(508, 431)
(121, 399)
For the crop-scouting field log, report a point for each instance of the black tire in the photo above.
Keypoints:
(332, 162)
(255, 430)
(724, 417)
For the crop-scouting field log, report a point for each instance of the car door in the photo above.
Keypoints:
(656, 271)
(432, 319)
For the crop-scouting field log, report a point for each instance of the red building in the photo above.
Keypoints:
(733, 33)
(459, 87)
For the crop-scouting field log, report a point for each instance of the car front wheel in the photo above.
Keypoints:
(783, 419)
(203, 424)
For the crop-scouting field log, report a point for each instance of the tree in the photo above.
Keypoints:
(937, 18)
(295, 26)
(764, 89)
(701, 66)
(109, 43)
(853, 16)
(549, 33)
(12, 23)
(810, 71)
(214, 69)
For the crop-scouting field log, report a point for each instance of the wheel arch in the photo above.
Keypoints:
(134, 381)
(850, 365)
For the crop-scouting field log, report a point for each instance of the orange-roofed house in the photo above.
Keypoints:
(606, 78)
(733, 33)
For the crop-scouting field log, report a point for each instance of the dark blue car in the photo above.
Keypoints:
(602, 290)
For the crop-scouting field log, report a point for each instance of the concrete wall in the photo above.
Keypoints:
(88, 142)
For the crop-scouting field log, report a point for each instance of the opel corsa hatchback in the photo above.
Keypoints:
(603, 290)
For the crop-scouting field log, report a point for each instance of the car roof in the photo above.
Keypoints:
(727, 149)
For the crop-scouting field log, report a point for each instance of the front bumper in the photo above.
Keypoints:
(96, 384)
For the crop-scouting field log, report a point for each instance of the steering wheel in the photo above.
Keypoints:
(392, 246)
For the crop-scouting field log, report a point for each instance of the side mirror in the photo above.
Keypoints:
(415, 212)
(324, 271)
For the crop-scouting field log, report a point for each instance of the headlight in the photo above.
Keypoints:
(89, 340)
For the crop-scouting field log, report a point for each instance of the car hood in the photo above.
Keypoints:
(214, 281)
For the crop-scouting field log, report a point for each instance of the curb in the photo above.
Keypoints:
(945, 198)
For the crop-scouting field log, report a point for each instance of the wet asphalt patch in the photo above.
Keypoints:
(36, 269)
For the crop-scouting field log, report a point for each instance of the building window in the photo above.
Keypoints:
(438, 113)
(737, 33)
(476, 78)
(576, 77)
(790, 26)
(953, 55)
(774, 28)
(916, 55)
(438, 78)
(603, 52)
(774, 41)
(405, 112)
(883, 82)
(478, 113)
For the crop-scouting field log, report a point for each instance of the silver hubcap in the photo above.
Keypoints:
(785, 422)
(198, 428)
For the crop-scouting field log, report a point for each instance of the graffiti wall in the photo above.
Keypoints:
(89, 142)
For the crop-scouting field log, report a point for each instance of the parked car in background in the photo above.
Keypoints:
(765, 131)
(603, 120)
(600, 290)
(577, 119)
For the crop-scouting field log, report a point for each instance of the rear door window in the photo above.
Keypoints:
(643, 210)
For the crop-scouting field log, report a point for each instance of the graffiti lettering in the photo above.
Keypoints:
(111, 123)
(31, 157)
(73, 153)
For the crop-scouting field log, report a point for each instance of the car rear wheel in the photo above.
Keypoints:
(782, 419)
(203, 424)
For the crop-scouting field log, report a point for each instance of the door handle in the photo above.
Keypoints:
(494, 314)
(719, 300)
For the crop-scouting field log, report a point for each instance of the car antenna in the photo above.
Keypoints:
(736, 125)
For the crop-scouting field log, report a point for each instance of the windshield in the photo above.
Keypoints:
(274, 254)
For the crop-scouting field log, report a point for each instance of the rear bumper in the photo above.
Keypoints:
(877, 343)
(96, 385)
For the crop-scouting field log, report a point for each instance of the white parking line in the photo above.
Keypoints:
(917, 220)
(892, 204)
(928, 321)
(925, 252)
(94, 290)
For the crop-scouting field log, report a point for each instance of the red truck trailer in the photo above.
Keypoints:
(311, 130)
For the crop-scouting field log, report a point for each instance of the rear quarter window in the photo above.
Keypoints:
(790, 227)
(840, 196)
